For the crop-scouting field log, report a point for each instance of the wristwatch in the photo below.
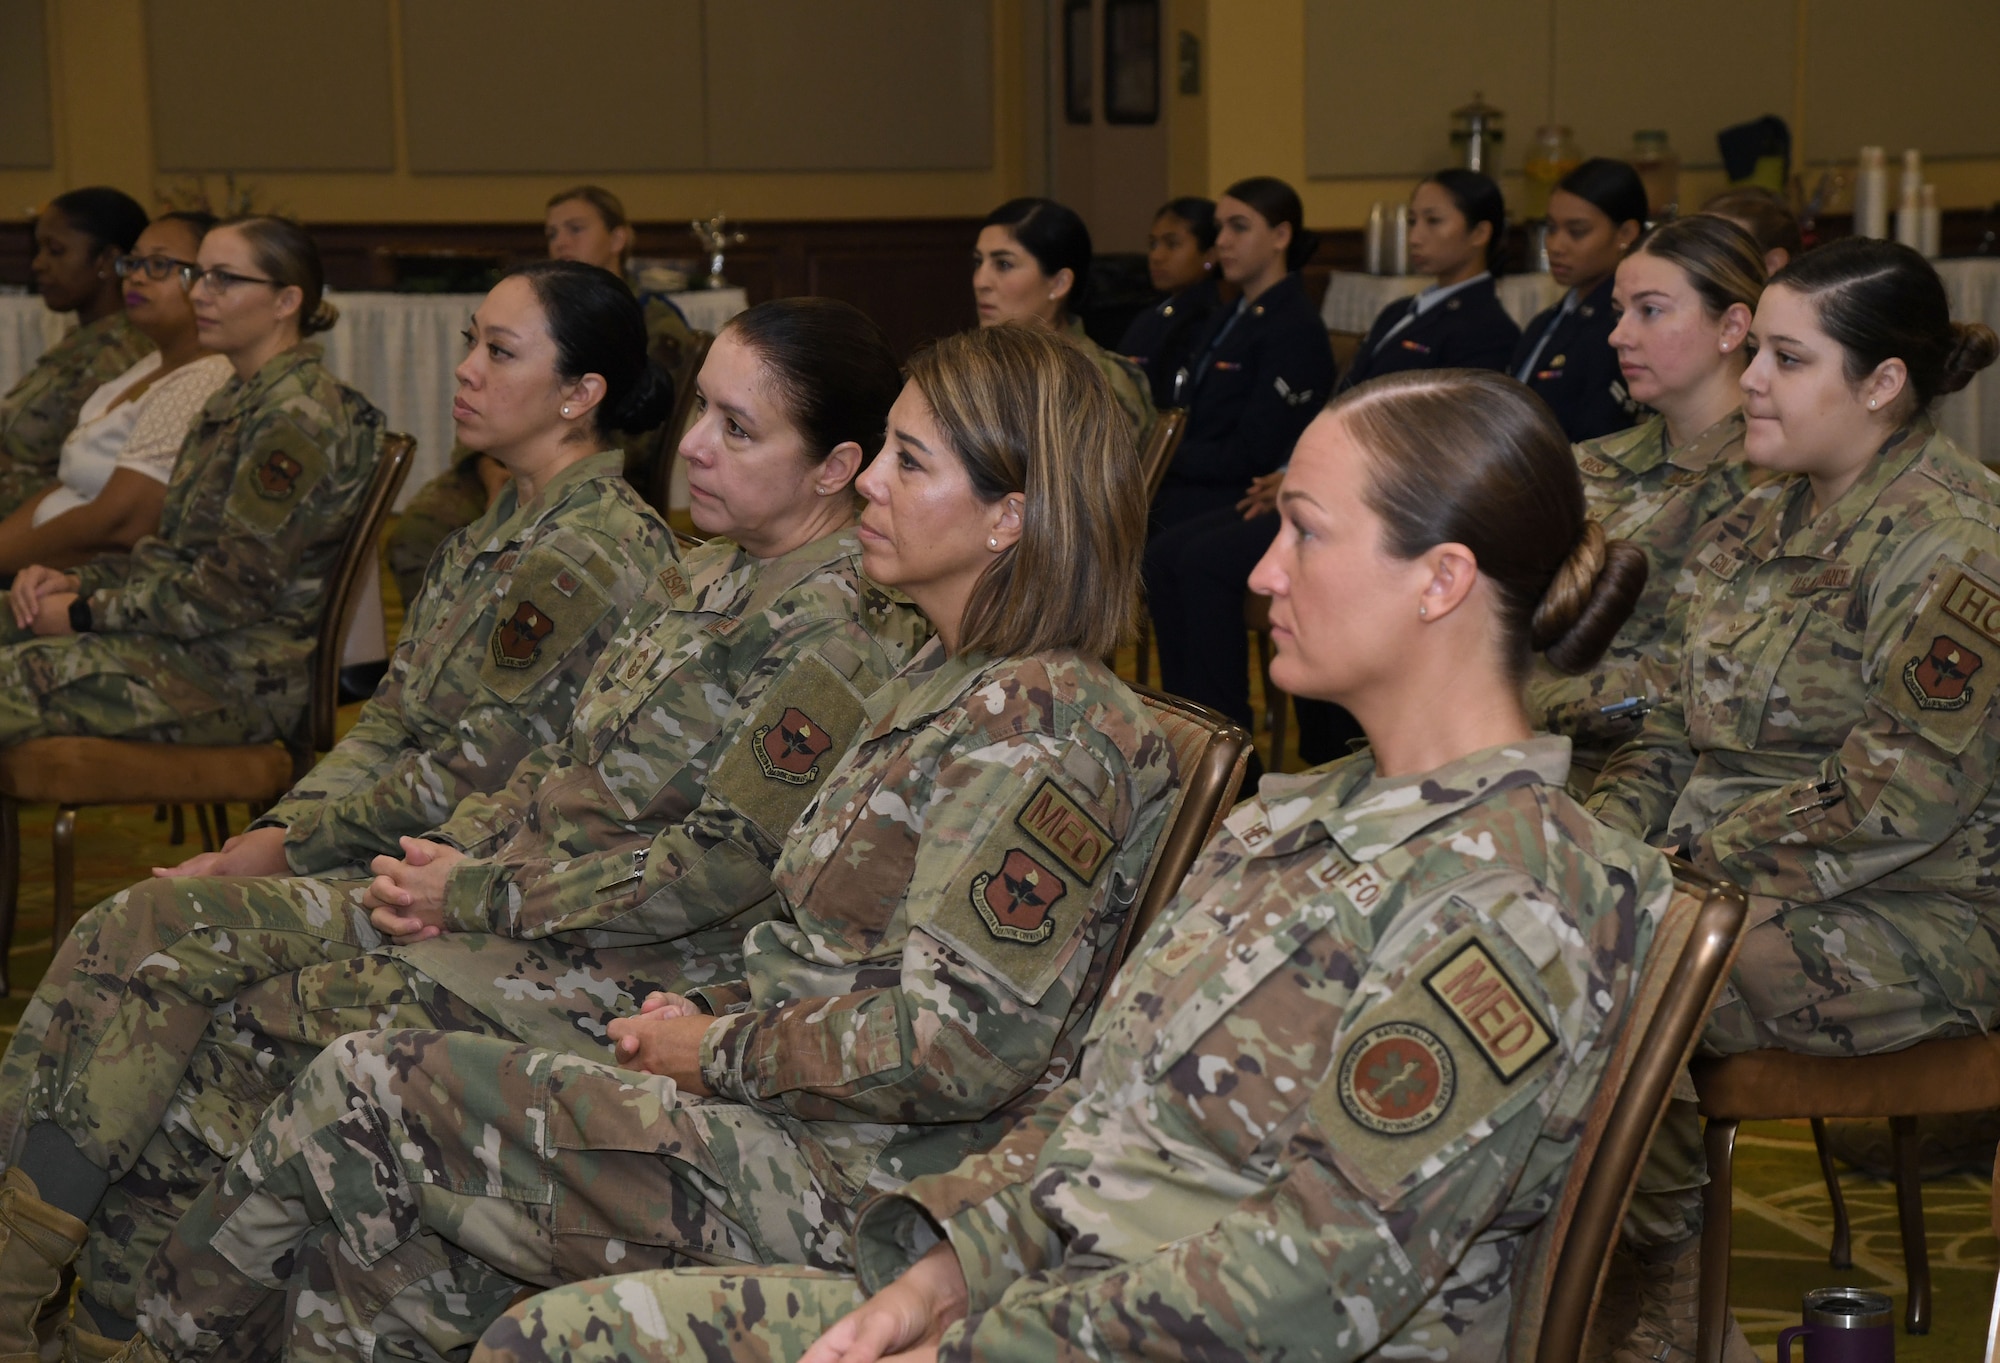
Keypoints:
(79, 615)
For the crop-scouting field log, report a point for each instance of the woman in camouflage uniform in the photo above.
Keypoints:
(1685, 296)
(607, 863)
(1339, 1085)
(1832, 739)
(949, 905)
(469, 693)
(78, 240)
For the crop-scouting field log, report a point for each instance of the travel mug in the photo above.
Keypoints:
(1845, 1325)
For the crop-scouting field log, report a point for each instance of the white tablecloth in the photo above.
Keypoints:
(1971, 417)
(1353, 300)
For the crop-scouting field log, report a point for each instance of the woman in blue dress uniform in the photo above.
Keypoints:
(1596, 214)
(1180, 258)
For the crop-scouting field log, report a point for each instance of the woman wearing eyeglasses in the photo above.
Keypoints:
(202, 633)
(112, 478)
(78, 238)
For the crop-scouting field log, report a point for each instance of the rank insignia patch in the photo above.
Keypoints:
(1015, 902)
(278, 474)
(1397, 1079)
(790, 750)
(1941, 679)
(518, 639)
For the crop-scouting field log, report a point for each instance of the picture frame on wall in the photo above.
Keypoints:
(1077, 73)
(1131, 61)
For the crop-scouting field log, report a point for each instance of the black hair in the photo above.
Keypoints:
(1478, 200)
(1198, 213)
(109, 217)
(832, 366)
(194, 219)
(599, 328)
(1613, 188)
(1277, 202)
(1053, 234)
(1881, 300)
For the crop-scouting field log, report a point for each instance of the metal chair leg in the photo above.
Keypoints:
(1719, 1143)
(63, 840)
(1910, 1220)
(177, 832)
(10, 884)
(1841, 1255)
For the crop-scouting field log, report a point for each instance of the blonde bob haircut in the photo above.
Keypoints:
(1026, 412)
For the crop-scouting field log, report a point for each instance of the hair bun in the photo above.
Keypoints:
(1589, 599)
(648, 402)
(322, 319)
(1973, 347)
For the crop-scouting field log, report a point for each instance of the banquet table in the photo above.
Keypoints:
(1972, 284)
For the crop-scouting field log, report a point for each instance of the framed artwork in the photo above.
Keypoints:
(1076, 61)
(1131, 61)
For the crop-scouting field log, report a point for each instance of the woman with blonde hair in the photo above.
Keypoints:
(948, 908)
(1684, 299)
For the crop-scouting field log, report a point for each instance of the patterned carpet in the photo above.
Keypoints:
(1782, 1223)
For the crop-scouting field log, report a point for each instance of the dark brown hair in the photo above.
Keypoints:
(1881, 300)
(1466, 456)
(832, 367)
(287, 253)
(1026, 412)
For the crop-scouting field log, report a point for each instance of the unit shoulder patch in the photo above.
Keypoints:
(789, 748)
(1397, 1079)
(1942, 686)
(1016, 902)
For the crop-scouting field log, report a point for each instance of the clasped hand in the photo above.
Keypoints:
(664, 1038)
(41, 597)
(405, 901)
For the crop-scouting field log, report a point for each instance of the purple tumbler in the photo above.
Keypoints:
(1845, 1325)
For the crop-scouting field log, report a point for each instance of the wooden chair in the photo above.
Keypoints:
(1257, 619)
(1929, 1079)
(1212, 753)
(1689, 959)
(1993, 1318)
(1154, 459)
(73, 772)
(659, 493)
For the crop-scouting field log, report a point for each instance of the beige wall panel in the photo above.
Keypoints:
(257, 85)
(1920, 73)
(1382, 79)
(584, 87)
(850, 84)
(25, 139)
(1623, 65)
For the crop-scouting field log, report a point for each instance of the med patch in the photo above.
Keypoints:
(1490, 1009)
(1059, 825)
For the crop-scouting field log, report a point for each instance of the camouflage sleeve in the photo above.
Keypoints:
(1307, 1268)
(1918, 764)
(712, 863)
(1596, 708)
(1007, 916)
(482, 821)
(984, 1207)
(1636, 791)
(389, 784)
(287, 488)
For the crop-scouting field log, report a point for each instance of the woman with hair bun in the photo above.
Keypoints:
(79, 238)
(1833, 736)
(203, 633)
(1684, 300)
(1030, 266)
(1596, 214)
(1180, 260)
(1288, 1138)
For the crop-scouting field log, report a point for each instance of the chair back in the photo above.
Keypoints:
(392, 466)
(677, 422)
(1158, 454)
(1692, 949)
(1211, 752)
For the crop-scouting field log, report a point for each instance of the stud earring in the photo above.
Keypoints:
(1871, 404)
(1423, 612)
(1725, 347)
(992, 542)
(565, 411)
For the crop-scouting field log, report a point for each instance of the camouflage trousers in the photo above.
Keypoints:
(116, 686)
(759, 1316)
(407, 1186)
(1820, 979)
(173, 1014)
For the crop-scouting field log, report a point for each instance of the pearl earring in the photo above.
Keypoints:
(992, 542)
(1871, 404)
(565, 411)
(1423, 612)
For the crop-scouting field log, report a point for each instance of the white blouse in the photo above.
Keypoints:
(144, 434)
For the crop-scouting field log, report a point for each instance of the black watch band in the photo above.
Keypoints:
(79, 615)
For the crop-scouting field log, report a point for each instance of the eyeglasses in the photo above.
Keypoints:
(156, 267)
(220, 280)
